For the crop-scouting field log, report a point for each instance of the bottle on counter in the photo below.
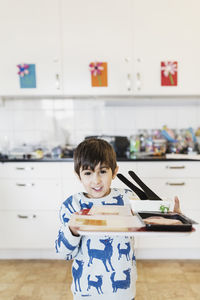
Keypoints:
(134, 145)
(143, 136)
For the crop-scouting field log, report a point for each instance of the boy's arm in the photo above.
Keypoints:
(67, 243)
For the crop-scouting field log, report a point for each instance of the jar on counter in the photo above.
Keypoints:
(159, 146)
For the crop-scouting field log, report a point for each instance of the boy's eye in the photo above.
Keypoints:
(103, 171)
(87, 173)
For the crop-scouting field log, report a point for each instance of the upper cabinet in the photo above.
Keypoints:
(59, 39)
(97, 31)
(166, 31)
(30, 34)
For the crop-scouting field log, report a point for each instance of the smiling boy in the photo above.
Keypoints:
(103, 266)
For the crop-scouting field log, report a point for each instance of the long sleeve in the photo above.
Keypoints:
(103, 265)
(67, 245)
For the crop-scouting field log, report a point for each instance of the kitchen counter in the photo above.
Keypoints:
(168, 157)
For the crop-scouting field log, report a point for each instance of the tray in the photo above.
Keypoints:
(185, 226)
(120, 220)
(107, 218)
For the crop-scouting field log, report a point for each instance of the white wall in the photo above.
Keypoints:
(58, 121)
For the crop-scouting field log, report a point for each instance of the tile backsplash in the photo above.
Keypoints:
(52, 122)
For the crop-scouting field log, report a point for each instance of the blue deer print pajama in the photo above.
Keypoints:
(103, 267)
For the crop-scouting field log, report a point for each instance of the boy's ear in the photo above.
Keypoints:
(115, 172)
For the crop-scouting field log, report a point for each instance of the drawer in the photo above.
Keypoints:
(30, 170)
(30, 194)
(186, 189)
(191, 241)
(27, 229)
(169, 169)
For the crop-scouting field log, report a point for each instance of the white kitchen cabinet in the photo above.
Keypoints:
(30, 194)
(169, 169)
(169, 179)
(28, 229)
(29, 214)
(30, 33)
(25, 170)
(166, 31)
(26, 185)
(99, 31)
(30, 197)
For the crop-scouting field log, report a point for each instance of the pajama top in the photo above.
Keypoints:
(103, 266)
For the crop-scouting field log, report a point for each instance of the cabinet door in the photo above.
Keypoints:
(99, 31)
(169, 169)
(28, 229)
(24, 170)
(166, 31)
(30, 34)
(186, 190)
(30, 194)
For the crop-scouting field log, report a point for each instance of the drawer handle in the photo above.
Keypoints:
(26, 217)
(23, 169)
(21, 184)
(22, 217)
(175, 183)
(25, 184)
(175, 167)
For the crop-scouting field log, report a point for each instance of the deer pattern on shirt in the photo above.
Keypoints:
(103, 263)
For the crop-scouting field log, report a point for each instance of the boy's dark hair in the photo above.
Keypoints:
(93, 151)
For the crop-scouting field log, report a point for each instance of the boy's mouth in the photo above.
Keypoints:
(98, 189)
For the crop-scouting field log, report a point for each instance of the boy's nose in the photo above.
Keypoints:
(97, 178)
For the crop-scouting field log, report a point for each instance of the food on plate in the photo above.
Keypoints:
(94, 222)
(156, 220)
(112, 210)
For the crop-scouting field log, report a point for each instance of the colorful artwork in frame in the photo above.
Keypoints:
(27, 75)
(98, 74)
(169, 70)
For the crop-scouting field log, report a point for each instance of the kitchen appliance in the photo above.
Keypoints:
(121, 144)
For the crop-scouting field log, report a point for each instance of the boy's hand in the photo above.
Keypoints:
(74, 228)
(177, 205)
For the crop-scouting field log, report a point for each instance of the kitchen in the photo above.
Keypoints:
(60, 39)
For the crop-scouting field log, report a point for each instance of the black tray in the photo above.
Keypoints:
(186, 226)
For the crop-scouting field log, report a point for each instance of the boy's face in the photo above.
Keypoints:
(97, 183)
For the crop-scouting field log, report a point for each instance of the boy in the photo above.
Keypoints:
(104, 266)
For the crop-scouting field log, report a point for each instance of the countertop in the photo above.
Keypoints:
(168, 157)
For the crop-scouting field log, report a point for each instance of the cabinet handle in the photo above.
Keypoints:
(129, 82)
(138, 81)
(57, 81)
(175, 167)
(26, 217)
(22, 217)
(25, 184)
(175, 183)
(23, 169)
